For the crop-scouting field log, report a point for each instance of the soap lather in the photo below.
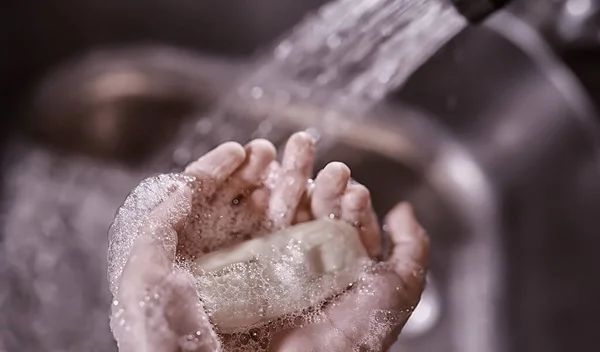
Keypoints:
(282, 273)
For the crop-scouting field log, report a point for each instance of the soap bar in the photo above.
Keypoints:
(283, 273)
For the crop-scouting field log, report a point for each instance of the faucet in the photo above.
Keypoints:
(477, 10)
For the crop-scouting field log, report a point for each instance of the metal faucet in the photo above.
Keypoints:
(477, 10)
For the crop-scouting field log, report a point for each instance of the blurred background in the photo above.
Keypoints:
(483, 113)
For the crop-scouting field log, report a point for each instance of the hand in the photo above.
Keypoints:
(241, 193)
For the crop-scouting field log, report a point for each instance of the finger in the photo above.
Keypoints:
(168, 317)
(314, 337)
(149, 263)
(357, 210)
(259, 155)
(217, 165)
(372, 314)
(153, 251)
(273, 174)
(186, 315)
(410, 251)
(148, 295)
(296, 168)
(330, 185)
(147, 268)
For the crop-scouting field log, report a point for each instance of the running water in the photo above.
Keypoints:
(332, 68)
(352, 52)
(336, 64)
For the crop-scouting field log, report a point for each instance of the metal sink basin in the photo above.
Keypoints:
(493, 140)
(73, 148)
(72, 47)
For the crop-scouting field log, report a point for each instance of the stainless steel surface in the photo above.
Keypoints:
(56, 206)
(531, 129)
(457, 204)
(564, 23)
(493, 139)
(124, 105)
(426, 315)
(478, 10)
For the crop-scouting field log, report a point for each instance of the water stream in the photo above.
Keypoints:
(332, 68)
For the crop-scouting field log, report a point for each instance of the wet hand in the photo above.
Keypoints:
(240, 193)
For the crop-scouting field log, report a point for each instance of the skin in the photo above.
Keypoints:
(249, 182)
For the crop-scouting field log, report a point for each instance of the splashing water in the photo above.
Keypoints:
(334, 66)
(351, 53)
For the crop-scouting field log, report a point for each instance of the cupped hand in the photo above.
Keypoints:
(234, 193)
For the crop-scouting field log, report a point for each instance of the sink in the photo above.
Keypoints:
(402, 154)
(159, 41)
(72, 149)
(493, 140)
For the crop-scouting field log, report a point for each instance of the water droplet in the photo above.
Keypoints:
(255, 334)
(119, 312)
(386, 31)
(299, 321)
(256, 92)
(283, 50)
(386, 317)
(115, 303)
(244, 339)
(315, 134)
(204, 126)
(418, 273)
(333, 41)
(264, 128)
(578, 7)
(264, 343)
(182, 156)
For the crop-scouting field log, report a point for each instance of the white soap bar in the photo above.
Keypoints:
(282, 273)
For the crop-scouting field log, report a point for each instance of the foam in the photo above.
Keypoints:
(278, 279)
(279, 274)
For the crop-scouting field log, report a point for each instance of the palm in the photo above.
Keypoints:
(241, 194)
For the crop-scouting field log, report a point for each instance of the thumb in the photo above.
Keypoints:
(372, 314)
